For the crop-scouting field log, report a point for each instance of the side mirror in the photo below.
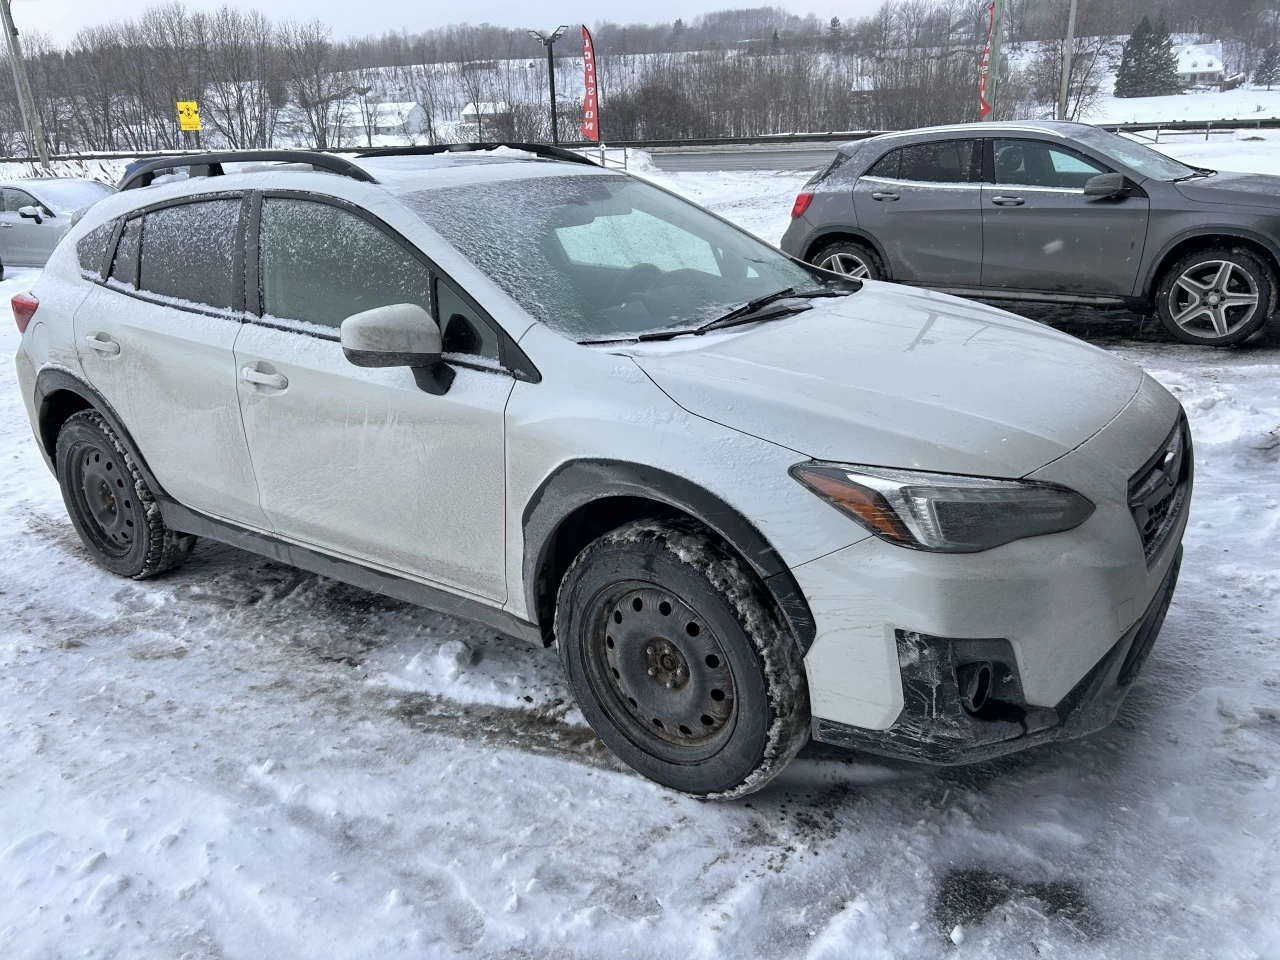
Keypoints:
(398, 335)
(30, 213)
(1106, 186)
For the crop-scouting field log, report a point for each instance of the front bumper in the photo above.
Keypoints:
(935, 726)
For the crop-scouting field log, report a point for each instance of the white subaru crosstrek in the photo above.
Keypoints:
(750, 501)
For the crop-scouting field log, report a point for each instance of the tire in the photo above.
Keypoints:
(110, 504)
(680, 661)
(1216, 297)
(850, 259)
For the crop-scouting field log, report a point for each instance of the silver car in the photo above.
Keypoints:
(1054, 212)
(750, 501)
(37, 214)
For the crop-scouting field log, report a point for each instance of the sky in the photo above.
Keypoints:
(60, 19)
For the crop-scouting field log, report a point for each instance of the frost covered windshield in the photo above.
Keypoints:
(605, 256)
(72, 195)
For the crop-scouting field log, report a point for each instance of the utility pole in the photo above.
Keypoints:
(30, 118)
(1065, 86)
(549, 43)
(993, 61)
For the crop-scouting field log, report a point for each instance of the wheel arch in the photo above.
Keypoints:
(1206, 239)
(59, 395)
(835, 234)
(584, 499)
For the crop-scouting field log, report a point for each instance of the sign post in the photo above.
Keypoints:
(189, 118)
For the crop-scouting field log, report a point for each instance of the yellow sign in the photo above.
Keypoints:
(189, 115)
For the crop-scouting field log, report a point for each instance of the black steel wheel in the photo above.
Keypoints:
(679, 661)
(1216, 297)
(110, 504)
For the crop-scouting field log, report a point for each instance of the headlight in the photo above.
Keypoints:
(941, 512)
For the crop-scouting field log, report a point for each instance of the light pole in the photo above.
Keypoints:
(30, 117)
(549, 43)
(1065, 86)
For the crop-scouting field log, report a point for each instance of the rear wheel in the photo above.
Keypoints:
(110, 504)
(850, 259)
(679, 661)
(1215, 297)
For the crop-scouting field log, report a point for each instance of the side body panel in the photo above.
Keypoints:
(930, 232)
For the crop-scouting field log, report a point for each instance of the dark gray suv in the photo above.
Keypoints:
(1049, 211)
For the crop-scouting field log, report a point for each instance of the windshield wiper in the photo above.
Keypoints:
(1195, 172)
(754, 310)
(749, 312)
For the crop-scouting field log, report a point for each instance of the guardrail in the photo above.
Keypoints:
(774, 139)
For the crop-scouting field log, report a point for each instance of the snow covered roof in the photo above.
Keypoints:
(1199, 57)
(394, 113)
(486, 108)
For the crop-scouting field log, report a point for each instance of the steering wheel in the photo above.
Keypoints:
(641, 275)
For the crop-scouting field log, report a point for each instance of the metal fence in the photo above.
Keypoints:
(1157, 129)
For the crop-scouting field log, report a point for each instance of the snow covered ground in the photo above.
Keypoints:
(243, 761)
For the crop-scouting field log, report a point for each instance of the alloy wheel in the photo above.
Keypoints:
(847, 264)
(1213, 299)
(660, 671)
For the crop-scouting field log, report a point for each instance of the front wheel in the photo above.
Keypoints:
(1215, 297)
(680, 662)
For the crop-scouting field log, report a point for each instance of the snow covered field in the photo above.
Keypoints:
(243, 761)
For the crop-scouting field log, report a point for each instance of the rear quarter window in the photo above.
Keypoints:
(91, 249)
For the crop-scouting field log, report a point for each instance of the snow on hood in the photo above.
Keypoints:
(1246, 189)
(896, 377)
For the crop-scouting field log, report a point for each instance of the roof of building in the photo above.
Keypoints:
(1199, 57)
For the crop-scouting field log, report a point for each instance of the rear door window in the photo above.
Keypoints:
(188, 253)
(945, 161)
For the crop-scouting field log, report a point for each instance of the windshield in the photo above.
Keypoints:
(596, 257)
(72, 195)
(1137, 156)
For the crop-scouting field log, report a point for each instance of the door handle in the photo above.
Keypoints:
(102, 344)
(884, 197)
(6, 226)
(273, 381)
(1008, 201)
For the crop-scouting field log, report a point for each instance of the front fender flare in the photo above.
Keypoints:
(577, 483)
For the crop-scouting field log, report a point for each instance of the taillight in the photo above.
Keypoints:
(801, 205)
(24, 308)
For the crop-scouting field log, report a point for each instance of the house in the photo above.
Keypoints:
(406, 118)
(486, 111)
(1199, 64)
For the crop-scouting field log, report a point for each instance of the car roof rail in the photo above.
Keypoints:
(544, 151)
(210, 164)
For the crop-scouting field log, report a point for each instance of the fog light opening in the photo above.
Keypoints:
(974, 680)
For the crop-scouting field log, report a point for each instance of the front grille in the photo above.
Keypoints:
(1158, 492)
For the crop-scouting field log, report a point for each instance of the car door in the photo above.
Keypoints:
(360, 462)
(23, 242)
(922, 204)
(155, 339)
(1041, 233)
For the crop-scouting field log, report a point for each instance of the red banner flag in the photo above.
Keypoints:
(590, 98)
(983, 107)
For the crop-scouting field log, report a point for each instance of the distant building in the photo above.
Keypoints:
(407, 118)
(1199, 64)
(486, 111)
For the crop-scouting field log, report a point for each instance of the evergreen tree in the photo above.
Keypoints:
(1130, 78)
(835, 35)
(1268, 70)
(1163, 76)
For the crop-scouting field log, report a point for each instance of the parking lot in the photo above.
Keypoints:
(240, 759)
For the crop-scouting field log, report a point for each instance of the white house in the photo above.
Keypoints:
(391, 119)
(1199, 64)
(473, 113)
